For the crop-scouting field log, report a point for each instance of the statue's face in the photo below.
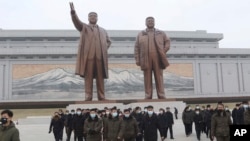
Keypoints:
(150, 23)
(93, 18)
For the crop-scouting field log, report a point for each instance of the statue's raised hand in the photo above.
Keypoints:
(72, 8)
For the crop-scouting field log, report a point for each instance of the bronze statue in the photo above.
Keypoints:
(150, 54)
(92, 57)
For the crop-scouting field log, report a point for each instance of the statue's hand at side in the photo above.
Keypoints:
(72, 8)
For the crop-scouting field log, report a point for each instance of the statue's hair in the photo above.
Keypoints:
(93, 13)
(150, 18)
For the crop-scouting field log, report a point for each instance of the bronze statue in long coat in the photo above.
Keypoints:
(92, 57)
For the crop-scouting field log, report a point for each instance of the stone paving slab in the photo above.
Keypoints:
(39, 132)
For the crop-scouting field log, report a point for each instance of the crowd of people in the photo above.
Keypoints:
(112, 124)
(215, 122)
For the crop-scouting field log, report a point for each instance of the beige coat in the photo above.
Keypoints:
(86, 39)
(142, 48)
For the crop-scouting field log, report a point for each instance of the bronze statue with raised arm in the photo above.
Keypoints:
(92, 57)
(150, 54)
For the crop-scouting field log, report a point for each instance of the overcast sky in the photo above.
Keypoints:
(230, 17)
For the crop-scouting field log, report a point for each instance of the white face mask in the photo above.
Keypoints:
(245, 106)
(150, 112)
(78, 112)
(145, 110)
(197, 112)
(107, 113)
(114, 114)
(126, 115)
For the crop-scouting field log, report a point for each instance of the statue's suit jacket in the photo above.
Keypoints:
(141, 52)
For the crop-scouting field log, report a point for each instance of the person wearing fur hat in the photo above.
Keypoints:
(93, 127)
(112, 130)
(130, 128)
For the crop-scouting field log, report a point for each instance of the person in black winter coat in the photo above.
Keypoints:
(63, 117)
(69, 124)
(150, 125)
(78, 124)
(137, 114)
(56, 125)
(169, 123)
(162, 122)
(236, 113)
(176, 112)
(187, 118)
(207, 119)
(198, 120)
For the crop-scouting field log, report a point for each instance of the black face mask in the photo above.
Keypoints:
(3, 120)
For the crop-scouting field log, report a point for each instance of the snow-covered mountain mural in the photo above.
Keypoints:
(63, 83)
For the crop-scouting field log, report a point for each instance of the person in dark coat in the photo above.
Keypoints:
(66, 116)
(207, 119)
(129, 126)
(236, 114)
(162, 122)
(169, 122)
(8, 131)
(198, 120)
(187, 118)
(176, 112)
(93, 127)
(63, 117)
(203, 114)
(56, 125)
(112, 130)
(220, 124)
(150, 125)
(69, 124)
(78, 123)
(137, 114)
(247, 117)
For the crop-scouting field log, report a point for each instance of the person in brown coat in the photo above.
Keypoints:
(130, 128)
(92, 58)
(93, 127)
(150, 54)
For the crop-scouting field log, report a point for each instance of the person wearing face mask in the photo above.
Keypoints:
(220, 124)
(169, 123)
(145, 111)
(137, 114)
(129, 126)
(198, 122)
(208, 117)
(69, 125)
(93, 126)
(150, 125)
(243, 108)
(162, 122)
(228, 110)
(8, 131)
(78, 123)
(112, 130)
(236, 114)
(247, 116)
(56, 125)
(187, 118)
(66, 116)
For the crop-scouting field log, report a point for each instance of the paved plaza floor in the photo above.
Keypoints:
(36, 129)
